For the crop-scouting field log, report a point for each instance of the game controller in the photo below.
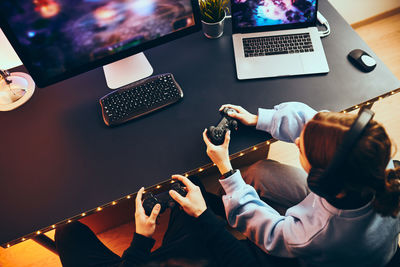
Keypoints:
(164, 199)
(216, 134)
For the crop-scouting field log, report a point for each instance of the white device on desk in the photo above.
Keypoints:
(16, 88)
(276, 38)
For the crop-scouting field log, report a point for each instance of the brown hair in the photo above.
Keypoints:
(364, 170)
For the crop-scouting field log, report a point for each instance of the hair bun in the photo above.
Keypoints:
(393, 180)
(387, 202)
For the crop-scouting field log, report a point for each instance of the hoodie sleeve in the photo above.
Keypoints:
(139, 251)
(285, 121)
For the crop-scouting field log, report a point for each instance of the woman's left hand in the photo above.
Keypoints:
(219, 154)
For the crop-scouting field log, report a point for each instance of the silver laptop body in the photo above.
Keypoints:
(277, 63)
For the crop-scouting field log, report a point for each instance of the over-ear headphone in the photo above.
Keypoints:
(324, 182)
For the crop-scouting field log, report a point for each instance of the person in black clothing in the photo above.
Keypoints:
(195, 237)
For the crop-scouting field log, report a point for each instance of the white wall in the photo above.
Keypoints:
(357, 10)
(8, 58)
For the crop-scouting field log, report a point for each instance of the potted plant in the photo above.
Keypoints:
(213, 13)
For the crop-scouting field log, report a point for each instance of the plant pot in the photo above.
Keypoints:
(213, 30)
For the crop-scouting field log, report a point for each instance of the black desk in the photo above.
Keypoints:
(58, 159)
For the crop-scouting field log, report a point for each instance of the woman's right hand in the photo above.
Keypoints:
(242, 115)
(193, 203)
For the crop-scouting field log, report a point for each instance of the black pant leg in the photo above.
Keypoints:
(78, 246)
(181, 224)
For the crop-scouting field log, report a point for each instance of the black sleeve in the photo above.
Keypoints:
(138, 252)
(228, 250)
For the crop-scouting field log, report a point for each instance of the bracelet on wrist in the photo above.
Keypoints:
(227, 174)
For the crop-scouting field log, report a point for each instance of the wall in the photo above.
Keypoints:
(357, 10)
(8, 58)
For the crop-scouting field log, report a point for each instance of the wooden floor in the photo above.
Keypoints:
(382, 36)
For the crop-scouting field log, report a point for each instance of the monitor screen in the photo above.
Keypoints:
(260, 13)
(57, 39)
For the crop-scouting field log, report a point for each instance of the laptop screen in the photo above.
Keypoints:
(255, 15)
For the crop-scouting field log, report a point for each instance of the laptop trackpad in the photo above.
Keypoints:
(282, 65)
(269, 66)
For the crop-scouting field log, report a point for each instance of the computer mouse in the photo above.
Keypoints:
(362, 60)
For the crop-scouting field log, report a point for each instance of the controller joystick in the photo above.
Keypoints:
(216, 134)
(164, 199)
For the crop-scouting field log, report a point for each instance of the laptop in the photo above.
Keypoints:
(273, 38)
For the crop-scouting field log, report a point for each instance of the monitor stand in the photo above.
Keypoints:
(127, 70)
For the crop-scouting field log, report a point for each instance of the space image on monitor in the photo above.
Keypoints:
(69, 36)
(258, 13)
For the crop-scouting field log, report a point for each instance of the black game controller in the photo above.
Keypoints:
(216, 134)
(164, 199)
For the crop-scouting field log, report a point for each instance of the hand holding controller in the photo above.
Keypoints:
(216, 134)
(164, 199)
(193, 203)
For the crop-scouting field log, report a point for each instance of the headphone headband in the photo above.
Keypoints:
(325, 179)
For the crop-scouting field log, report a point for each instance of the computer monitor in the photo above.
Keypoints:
(58, 39)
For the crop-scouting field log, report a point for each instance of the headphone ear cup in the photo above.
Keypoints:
(314, 181)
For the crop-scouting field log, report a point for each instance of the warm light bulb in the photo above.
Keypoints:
(23, 239)
(128, 197)
(268, 142)
(201, 169)
(186, 175)
(99, 209)
(69, 221)
(38, 232)
(158, 186)
(356, 106)
(392, 93)
(83, 214)
(8, 245)
(53, 226)
(113, 203)
(172, 181)
(255, 148)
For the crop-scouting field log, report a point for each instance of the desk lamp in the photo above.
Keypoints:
(15, 89)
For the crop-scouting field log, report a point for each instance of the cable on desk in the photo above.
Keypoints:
(323, 21)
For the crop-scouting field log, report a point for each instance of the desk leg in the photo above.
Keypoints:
(46, 242)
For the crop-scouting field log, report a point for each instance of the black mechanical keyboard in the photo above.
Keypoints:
(276, 45)
(139, 98)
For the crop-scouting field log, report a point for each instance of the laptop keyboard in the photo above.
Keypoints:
(276, 45)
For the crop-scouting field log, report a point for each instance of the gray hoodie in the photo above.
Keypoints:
(313, 230)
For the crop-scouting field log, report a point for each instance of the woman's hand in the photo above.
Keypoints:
(219, 154)
(242, 115)
(145, 225)
(193, 204)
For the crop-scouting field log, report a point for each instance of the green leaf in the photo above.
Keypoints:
(213, 10)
